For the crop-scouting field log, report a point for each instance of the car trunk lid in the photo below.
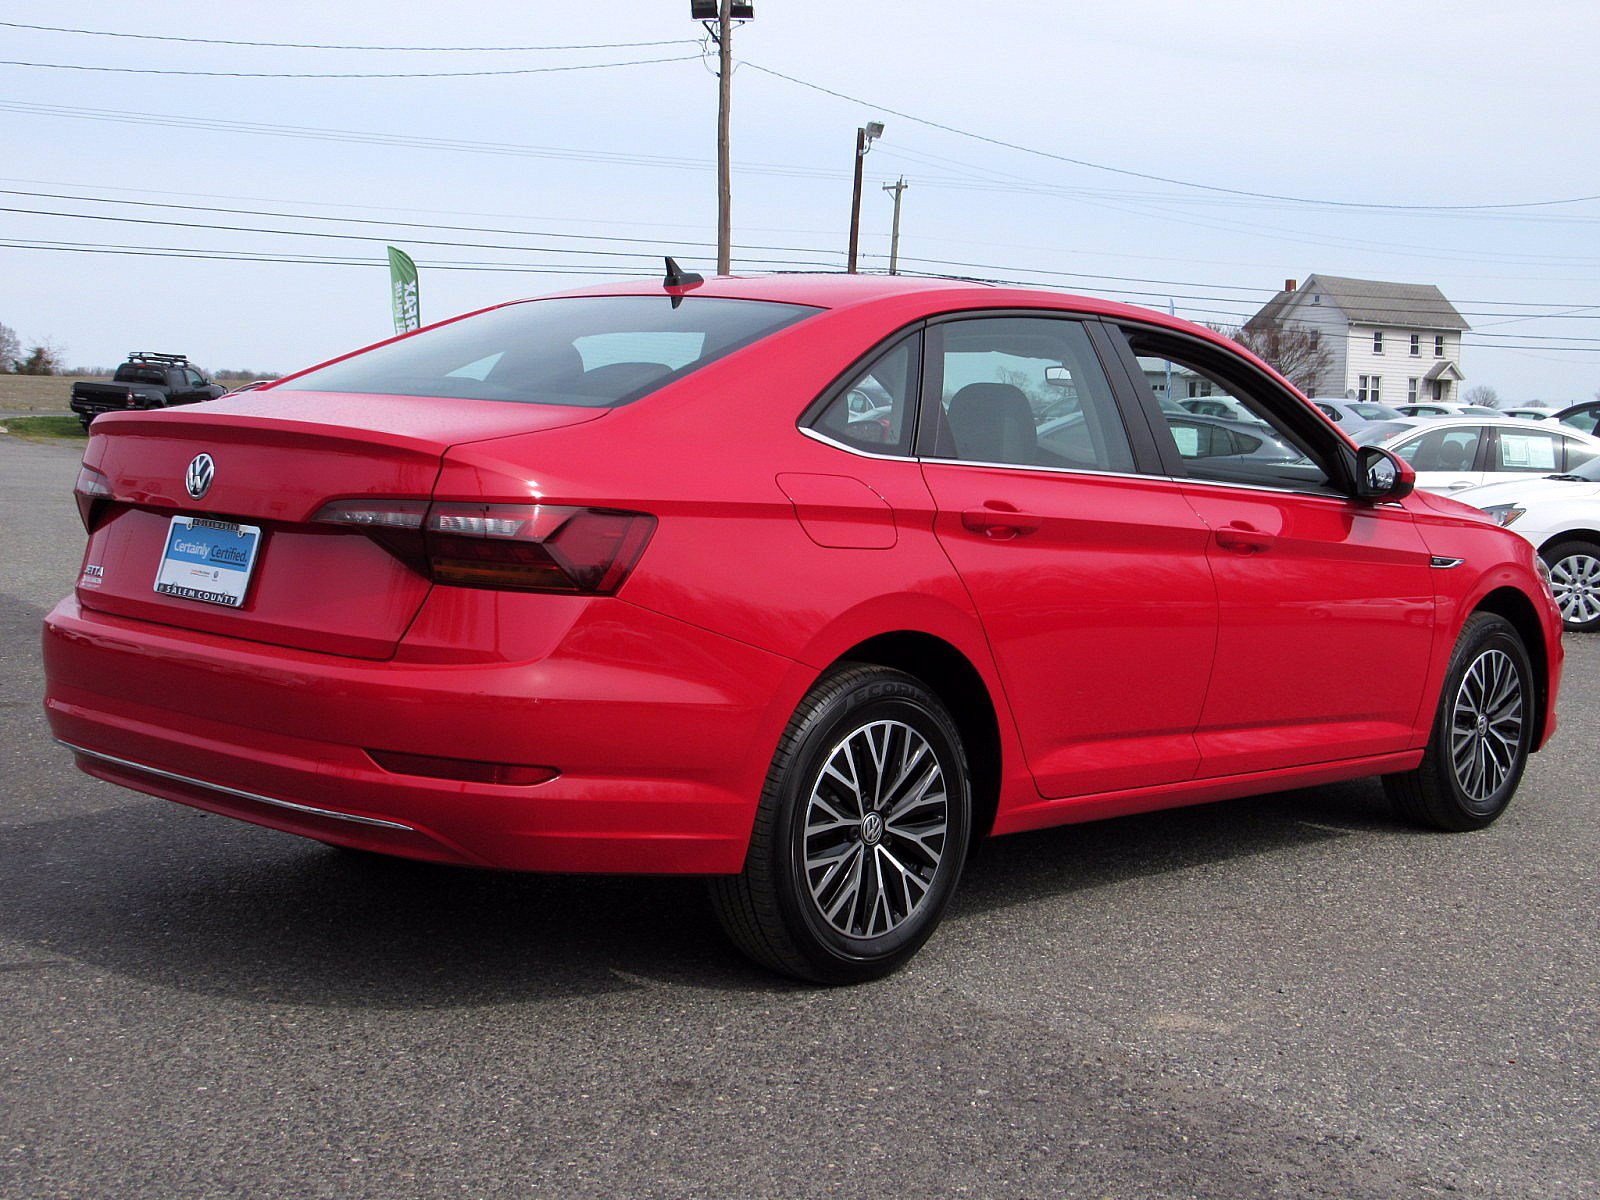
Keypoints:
(276, 461)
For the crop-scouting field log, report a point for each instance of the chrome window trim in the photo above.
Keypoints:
(229, 791)
(1186, 479)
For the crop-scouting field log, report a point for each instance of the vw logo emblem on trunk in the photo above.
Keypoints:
(200, 474)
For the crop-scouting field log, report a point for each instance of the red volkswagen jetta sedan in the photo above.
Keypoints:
(805, 584)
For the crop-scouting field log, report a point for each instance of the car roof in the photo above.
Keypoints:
(932, 295)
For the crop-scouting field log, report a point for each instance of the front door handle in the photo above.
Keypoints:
(1242, 539)
(1000, 521)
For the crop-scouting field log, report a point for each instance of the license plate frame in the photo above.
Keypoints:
(208, 561)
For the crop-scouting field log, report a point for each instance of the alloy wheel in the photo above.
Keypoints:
(1486, 726)
(1575, 579)
(876, 825)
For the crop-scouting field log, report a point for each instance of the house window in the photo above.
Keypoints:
(1416, 345)
(1369, 388)
(1411, 384)
(1377, 341)
(1438, 346)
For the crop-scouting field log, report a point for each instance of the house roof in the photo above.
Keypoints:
(1445, 370)
(1368, 302)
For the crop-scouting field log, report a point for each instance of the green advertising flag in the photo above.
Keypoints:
(403, 286)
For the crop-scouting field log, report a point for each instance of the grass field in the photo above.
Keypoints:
(41, 428)
(40, 393)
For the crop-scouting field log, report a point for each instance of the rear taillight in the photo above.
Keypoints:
(515, 547)
(92, 492)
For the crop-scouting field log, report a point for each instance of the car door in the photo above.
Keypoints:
(1087, 569)
(1325, 603)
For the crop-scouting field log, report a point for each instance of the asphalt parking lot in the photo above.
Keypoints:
(1290, 996)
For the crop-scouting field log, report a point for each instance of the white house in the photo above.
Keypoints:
(1392, 342)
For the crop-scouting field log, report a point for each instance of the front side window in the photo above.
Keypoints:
(587, 351)
(1442, 449)
(1253, 440)
(1377, 341)
(1438, 346)
(1411, 390)
(1416, 345)
(1023, 391)
(876, 408)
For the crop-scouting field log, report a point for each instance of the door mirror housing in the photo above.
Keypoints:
(1382, 475)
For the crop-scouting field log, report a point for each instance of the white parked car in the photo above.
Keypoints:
(1224, 408)
(1353, 415)
(1452, 453)
(1560, 515)
(1447, 408)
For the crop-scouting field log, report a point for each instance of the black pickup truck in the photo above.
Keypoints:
(145, 381)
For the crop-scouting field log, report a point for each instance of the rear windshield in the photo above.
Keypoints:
(131, 374)
(588, 351)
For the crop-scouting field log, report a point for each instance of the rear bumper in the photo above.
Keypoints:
(661, 733)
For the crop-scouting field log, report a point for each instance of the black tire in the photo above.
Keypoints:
(1575, 577)
(1481, 733)
(809, 902)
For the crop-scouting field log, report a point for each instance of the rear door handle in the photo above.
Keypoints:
(1243, 540)
(1000, 521)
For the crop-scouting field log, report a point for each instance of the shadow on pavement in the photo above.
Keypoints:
(195, 902)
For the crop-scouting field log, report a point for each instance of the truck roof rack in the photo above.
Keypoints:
(174, 360)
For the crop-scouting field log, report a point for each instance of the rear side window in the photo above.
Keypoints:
(876, 409)
(585, 351)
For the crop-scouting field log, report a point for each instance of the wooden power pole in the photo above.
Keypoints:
(724, 102)
(894, 237)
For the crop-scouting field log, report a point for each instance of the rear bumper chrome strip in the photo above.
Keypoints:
(228, 791)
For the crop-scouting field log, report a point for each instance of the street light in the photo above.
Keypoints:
(865, 136)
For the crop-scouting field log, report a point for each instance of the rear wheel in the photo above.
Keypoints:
(1575, 578)
(1481, 733)
(860, 835)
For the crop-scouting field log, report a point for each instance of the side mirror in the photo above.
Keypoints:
(1382, 475)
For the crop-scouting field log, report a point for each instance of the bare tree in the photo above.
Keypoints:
(1482, 394)
(10, 348)
(1295, 353)
(43, 359)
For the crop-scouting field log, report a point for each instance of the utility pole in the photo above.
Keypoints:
(894, 237)
(724, 102)
(864, 139)
(718, 16)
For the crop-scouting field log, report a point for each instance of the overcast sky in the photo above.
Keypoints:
(565, 177)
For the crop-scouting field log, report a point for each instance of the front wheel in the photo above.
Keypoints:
(1575, 579)
(1481, 733)
(860, 834)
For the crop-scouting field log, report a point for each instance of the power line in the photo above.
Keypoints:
(581, 270)
(1187, 183)
(641, 62)
(156, 37)
(257, 212)
(825, 254)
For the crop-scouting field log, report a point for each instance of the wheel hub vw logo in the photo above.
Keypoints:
(871, 828)
(201, 471)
